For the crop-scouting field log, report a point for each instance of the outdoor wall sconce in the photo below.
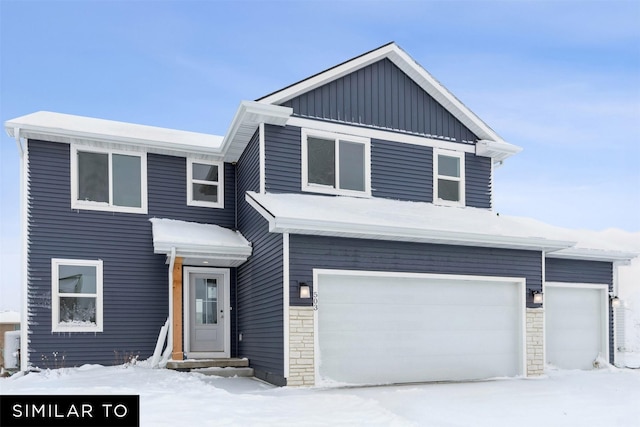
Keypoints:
(305, 290)
(537, 297)
(615, 301)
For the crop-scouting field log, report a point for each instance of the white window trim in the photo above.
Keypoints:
(461, 180)
(325, 189)
(190, 202)
(55, 296)
(100, 206)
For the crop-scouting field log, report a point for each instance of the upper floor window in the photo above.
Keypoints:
(448, 178)
(76, 304)
(205, 183)
(108, 180)
(336, 164)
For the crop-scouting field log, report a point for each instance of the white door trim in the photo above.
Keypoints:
(521, 282)
(186, 322)
(604, 288)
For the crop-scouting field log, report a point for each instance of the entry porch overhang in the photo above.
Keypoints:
(200, 244)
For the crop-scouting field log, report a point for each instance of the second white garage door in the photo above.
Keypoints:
(380, 328)
(576, 324)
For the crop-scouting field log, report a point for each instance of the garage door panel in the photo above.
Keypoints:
(389, 329)
(399, 317)
(575, 325)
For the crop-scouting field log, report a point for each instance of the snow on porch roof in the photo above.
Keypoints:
(386, 219)
(200, 243)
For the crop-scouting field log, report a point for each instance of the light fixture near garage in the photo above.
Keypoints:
(615, 301)
(305, 290)
(537, 297)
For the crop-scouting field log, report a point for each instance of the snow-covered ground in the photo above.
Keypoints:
(607, 397)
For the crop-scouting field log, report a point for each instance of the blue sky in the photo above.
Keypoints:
(559, 78)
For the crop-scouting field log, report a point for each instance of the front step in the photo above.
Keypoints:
(226, 372)
(187, 365)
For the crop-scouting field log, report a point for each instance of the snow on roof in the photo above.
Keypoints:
(9, 316)
(202, 241)
(387, 219)
(80, 127)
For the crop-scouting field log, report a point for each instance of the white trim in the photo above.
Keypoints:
(262, 154)
(24, 231)
(286, 301)
(460, 179)
(337, 138)
(186, 321)
(386, 135)
(605, 307)
(519, 281)
(109, 206)
(55, 295)
(219, 184)
(544, 323)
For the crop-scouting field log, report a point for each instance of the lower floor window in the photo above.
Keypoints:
(76, 295)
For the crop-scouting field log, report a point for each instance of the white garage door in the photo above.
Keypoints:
(575, 325)
(380, 329)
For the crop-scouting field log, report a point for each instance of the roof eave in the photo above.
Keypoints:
(68, 136)
(499, 151)
(405, 234)
(245, 122)
(593, 255)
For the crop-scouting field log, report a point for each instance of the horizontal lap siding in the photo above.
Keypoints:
(283, 159)
(478, 181)
(259, 282)
(580, 271)
(401, 171)
(381, 95)
(135, 279)
(309, 252)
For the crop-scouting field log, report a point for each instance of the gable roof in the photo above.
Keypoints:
(411, 68)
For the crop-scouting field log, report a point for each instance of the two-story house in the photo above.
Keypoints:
(341, 230)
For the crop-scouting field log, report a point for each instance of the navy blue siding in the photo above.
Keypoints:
(401, 171)
(381, 95)
(579, 271)
(283, 159)
(309, 252)
(259, 284)
(398, 170)
(477, 181)
(135, 279)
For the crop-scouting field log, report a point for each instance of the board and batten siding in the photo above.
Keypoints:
(398, 171)
(260, 295)
(382, 96)
(135, 290)
(309, 252)
(581, 271)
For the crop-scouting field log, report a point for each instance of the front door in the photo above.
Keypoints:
(206, 308)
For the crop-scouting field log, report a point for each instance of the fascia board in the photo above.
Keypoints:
(497, 150)
(251, 114)
(202, 250)
(593, 255)
(302, 226)
(30, 131)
